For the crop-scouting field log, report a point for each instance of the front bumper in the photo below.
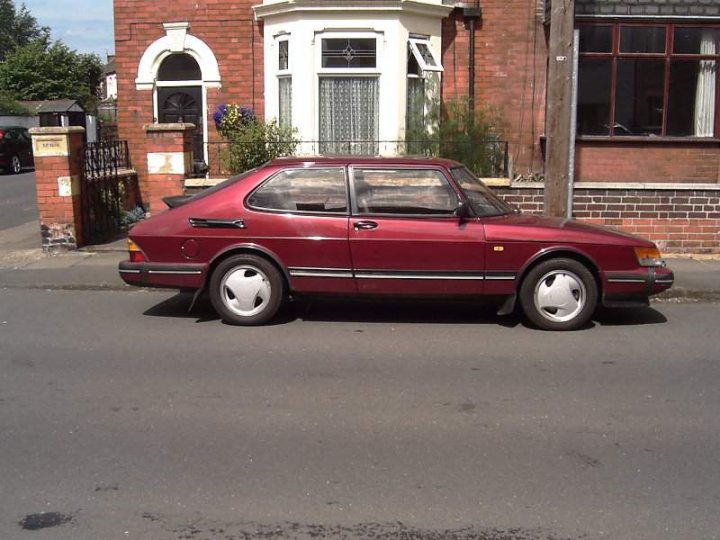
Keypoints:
(168, 276)
(635, 287)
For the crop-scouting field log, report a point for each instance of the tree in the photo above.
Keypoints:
(41, 71)
(18, 28)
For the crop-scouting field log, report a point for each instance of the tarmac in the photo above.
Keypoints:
(24, 265)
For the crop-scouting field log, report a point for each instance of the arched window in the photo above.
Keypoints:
(179, 67)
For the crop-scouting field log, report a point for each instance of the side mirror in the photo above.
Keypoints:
(463, 211)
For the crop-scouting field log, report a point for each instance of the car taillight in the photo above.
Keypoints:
(649, 256)
(136, 254)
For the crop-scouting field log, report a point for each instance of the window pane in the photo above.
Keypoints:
(179, 67)
(642, 39)
(639, 97)
(595, 38)
(304, 190)
(349, 115)
(593, 109)
(403, 192)
(283, 55)
(285, 101)
(697, 41)
(349, 53)
(691, 107)
(415, 113)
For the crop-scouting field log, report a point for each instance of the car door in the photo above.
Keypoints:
(405, 237)
(301, 215)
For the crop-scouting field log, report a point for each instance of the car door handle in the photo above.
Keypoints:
(365, 225)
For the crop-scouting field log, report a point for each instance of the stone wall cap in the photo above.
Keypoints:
(56, 130)
(178, 126)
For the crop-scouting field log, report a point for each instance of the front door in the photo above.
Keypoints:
(183, 104)
(405, 238)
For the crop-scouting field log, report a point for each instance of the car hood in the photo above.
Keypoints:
(518, 227)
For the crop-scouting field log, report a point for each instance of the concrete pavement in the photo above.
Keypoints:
(24, 265)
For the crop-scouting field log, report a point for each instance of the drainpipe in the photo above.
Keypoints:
(471, 13)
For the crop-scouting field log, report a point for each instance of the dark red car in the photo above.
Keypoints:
(402, 227)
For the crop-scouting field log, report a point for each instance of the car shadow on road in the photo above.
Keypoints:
(394, 311)
(629, 316)
(332, 310)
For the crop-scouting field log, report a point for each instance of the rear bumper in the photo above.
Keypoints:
(168, 276)
(635, 287)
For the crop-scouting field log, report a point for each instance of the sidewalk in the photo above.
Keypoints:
(24, 265)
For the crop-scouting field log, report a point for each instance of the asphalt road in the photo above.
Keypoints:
(123, 416)
(18, 204)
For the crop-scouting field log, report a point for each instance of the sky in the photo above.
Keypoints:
(83, 25)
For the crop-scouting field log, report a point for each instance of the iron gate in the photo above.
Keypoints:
(108, 189)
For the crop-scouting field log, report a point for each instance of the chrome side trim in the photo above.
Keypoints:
(122, 271)
(448, 276)
(321, 272)
(665, 281)
(626, 280)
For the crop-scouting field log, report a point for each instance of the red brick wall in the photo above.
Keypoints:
(228, 28)
(650, 161)
(510, 58)
(678, 220)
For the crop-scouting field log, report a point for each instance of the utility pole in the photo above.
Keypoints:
(559, 108)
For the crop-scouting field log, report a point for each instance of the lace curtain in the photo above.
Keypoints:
(705, 91)
(349, 115)
(285, 101)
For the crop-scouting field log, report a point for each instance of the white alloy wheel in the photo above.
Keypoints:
(15, 165)
(246, 291)
(560, 296)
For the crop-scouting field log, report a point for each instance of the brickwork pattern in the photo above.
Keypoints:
(510, 57)
(679, 221)
(624, 161)
(649, 8)
(60, 217)
(228, 28)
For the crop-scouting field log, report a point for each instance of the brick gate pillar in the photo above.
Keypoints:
(58, 171)
(169, 158)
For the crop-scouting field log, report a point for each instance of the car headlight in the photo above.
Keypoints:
(649, 256)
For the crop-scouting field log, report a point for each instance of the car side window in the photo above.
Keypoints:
(403, 192)
(320, 190)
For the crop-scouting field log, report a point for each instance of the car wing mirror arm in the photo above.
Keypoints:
(463, 211)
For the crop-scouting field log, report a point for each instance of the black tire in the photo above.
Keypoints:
(256, 294)
(15, 165)
(559, 294)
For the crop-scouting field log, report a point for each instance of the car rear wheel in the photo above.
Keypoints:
(15, 165)
(246, 290)
(559, 294)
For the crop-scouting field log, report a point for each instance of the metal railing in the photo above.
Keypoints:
(486, 158)
(105, 158)
(107, 193)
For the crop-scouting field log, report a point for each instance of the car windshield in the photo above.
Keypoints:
(484, 202)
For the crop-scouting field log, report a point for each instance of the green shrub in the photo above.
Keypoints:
(251, 142)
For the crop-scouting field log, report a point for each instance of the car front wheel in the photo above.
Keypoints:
(15, 165)
(559, 294)
(246, 290)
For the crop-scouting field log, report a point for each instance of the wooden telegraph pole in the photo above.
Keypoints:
(559, 108)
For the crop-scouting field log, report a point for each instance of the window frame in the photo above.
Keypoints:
(284, 74)
(349, 34)
(356, 212)
(342, 168)
(667, 57)
(414, 44)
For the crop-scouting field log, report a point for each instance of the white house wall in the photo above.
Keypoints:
(302, 28)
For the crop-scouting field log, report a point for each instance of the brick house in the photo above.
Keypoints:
(648, 114)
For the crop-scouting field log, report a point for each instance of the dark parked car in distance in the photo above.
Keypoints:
(384, 227)
(15, 149)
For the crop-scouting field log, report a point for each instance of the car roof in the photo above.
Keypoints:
(363, 160)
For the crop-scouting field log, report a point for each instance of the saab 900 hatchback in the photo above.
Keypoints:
(384, 227)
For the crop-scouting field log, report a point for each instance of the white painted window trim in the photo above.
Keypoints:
(345, 34)
(414, 42)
